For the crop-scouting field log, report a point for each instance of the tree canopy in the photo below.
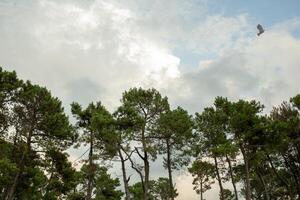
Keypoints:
(228, 143)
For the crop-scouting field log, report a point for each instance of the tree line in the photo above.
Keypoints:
(228, 142)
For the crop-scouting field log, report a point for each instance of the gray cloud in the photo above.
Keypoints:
(265, 69)
(94, 50)
(84, 91)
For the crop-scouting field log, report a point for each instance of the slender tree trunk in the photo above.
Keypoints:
(266, 196)
(136, 169)
(246, 162)
(91, 170)
(146, 165)
(278, 176)
(297, 149)
(125, 180)
(50, 178)
(11, 190)
(147, 169)
(219, 179)
(170, 169)
(201, 189)
(232, 178)
(294, 174)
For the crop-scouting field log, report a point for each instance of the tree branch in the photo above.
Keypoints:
(134, 167)
(136, 149)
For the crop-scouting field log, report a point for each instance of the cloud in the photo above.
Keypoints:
(54, 43)
(106, 42)
(94, 50)
(266, 69)
(77, 90)
(288, 26)
(185, 189)
(223, 77)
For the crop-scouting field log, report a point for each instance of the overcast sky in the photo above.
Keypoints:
(190, 50)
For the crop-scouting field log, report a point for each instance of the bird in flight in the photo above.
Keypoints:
(260, 29)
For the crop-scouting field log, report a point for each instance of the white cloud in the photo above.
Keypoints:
(66, 41)
(288, 26)
(266, 68)
(94, 50)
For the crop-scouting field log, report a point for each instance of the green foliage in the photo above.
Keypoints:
(136, 191)
(104, 185)
(62, 174)
(161, 189)
(158, 190)
(34, 123)
(97, 125)
(98, 128)
(9, 85)
(30, 184)
(37, 111)
(204, 174)
(7, 171)
(261, 153)
(76, 196)
(228, 195)
(143, 108)
(175, 131)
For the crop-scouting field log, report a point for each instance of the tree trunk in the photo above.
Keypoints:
(146, 165)
(11, 190)
(170, 169)
(247, 185)
(278, 176)
(136, 169)
(219, 179)
(125, 180)
(147, 168)
(90, 171)
(232, 178)
(266, 196)
(293, 170)
(201, 189)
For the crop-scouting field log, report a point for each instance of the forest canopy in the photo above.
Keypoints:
(227, 142)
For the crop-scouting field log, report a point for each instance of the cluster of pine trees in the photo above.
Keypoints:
(229, 143)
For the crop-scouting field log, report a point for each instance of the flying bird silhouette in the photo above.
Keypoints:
(260, 29)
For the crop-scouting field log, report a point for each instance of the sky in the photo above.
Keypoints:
(191, 51)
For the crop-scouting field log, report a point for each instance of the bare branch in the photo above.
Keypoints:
(136, 149)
